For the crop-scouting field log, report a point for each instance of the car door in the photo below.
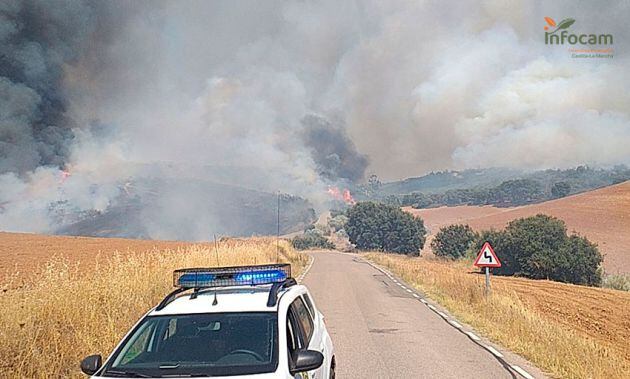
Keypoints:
(303, 326)
(318, 341)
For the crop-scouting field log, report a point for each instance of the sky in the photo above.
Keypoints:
(315, 93)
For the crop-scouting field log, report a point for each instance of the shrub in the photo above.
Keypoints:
(373, 226)
(578, 262)
(538, 247)
(617, 282)
(311, 239)
(338, 222)
(453, 241)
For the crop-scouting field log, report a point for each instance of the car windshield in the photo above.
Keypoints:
(199, 344)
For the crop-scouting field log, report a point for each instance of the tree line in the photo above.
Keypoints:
(536, 247)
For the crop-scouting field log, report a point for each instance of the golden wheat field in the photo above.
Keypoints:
(67, 309)
(567, 330)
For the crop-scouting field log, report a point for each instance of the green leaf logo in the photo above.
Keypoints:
(564, 24)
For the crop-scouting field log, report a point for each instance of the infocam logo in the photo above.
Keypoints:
(560, 35)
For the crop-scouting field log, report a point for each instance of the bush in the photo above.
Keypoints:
(373, 226)
(453, 241)
(338, 222)
(538, 247)
(619, 282)
(311, 239)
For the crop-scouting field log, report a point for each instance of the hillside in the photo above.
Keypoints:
(447, 180)
(579, 179)
(192, 210)
(602, 215)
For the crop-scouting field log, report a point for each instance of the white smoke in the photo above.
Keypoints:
(415, 86)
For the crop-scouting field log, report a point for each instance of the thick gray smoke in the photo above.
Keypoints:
(36, 39)
(333, 152)
(121, 93)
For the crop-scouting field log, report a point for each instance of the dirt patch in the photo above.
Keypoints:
(603, 216)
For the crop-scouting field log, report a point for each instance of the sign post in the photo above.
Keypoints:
(487, 258)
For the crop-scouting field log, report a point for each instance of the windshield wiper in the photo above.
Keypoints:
(126, 374)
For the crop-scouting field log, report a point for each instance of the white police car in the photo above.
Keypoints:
(236, 322)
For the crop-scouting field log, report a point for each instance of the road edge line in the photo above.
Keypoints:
(306, 270)
(472, 336)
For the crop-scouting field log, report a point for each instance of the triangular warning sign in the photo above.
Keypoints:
(487, 257)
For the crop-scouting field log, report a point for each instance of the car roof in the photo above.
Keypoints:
(229, 299)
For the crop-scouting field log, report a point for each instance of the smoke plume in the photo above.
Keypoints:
(150, 99)
(334, 154)
(36, 39)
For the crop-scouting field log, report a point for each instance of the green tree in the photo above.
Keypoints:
(578, 262)
(453, 241)
(538, 247)
(517, 192)
(534, 242)
(374, 185)
(375, 226)
(311, 239)
(560, 189)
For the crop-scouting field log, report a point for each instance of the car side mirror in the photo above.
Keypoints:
(307, 360)
(90, 365)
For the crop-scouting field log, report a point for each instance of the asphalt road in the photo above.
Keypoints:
(381, 331)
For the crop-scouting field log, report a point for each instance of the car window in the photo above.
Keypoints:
(207, 344)
(304, 318)
(138, 346)
(309, 305)
(294, 342)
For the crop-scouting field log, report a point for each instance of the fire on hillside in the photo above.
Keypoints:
(340, 195)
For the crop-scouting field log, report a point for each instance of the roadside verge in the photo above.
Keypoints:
(507, 320)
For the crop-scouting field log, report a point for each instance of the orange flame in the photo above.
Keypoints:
(344, 195)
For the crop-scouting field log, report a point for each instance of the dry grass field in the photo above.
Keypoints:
(21, 254)
(78, 304)
(569, 331)
(603, 216)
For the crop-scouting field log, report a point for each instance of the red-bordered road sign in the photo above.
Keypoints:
(487, 257)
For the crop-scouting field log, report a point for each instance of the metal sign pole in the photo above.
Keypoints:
(487, 281)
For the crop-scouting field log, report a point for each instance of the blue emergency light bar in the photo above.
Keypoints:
(231, 276)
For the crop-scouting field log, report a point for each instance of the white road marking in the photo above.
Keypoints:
(493, 351)
(473, 336)
(408, 290)
(455, 324)
(308, 267)
(403, 287)
(523, 373)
